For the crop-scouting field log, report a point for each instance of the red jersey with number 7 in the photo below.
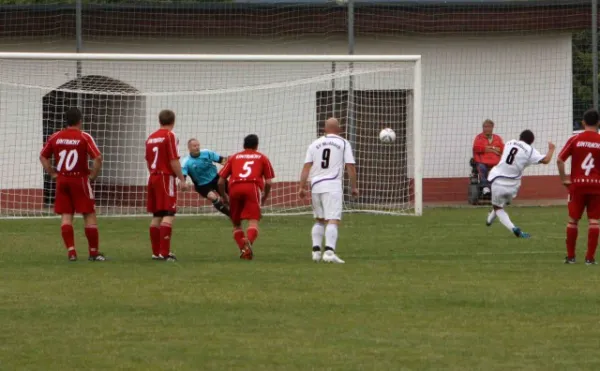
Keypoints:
(71, 148)
(584, 150)
(161, 149)
(248, 166)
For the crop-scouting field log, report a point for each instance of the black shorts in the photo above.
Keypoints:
(205, 189)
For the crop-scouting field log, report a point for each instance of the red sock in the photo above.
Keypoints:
(68, 237)
(155, 239)
(593, 233)
(165, 239)
(91, 232)
(252, 234)
(571, 239)
(239, 237)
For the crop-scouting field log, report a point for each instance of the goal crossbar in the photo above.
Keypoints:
(210, 57)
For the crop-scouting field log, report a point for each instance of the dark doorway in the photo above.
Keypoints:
(114, 115)
(382, 168)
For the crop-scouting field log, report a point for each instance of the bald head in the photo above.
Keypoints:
(332, 126)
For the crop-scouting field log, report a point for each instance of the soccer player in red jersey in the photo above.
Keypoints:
(583, 184)
(162, 158)
(71, 147)
(249, 173)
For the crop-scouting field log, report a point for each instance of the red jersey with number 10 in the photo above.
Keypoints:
(71, 148)
(248, 166)
(584, 150)
(161, 149)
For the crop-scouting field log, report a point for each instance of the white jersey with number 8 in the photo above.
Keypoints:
(516, 156)
(329, 155)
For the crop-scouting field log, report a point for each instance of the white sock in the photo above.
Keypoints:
(318, 231)
(331, 234)
(491, 216)
(504, 219)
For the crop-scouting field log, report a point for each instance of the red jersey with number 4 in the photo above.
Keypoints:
(71, 148)
(248, 166)
(584, 150)
(161, 149)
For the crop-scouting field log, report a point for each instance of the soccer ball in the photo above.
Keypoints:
(387, 135)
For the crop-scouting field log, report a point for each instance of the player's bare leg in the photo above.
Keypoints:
(505, 220)
(155, 237)
(317, 233)
(91, 233)
(593, 233)
(331, 235)
(68, 235)
(572, 231)
(166, 230)
(217, 202)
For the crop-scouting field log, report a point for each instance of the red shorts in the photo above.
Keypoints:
(244, 202)
(580, 201)
(74, 195)
(162, 194)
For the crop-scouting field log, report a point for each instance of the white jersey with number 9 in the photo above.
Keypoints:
(516, 156)
(328, 155)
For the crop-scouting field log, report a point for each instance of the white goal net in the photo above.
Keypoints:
(218, 100)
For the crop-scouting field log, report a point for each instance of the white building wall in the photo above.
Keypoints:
(519, 82)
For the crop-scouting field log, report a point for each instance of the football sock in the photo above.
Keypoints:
(491, 216)
(331, 235)
(220, 206)
(155, 239)
(165, 239)
(68, 236)
(504, 219)
(239, 237)
(571, 239)
(593, 233)
(252, 234)
(91, 233)
(318, 231)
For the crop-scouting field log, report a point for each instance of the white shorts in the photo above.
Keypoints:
(328, 205)
(503, 194)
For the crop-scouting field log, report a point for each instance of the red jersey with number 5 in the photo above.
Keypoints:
(161, 149)
(71, 148)
(248, 166)
(584, 150)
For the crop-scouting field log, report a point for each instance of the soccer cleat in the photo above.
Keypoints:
(157, 257)
(247, 253)
(569, 260)
(490, 218)
(519, 233)
(591, 262)
(170, 258)
(72, 257)
(97, 258)
(316, 256)
(330, 257)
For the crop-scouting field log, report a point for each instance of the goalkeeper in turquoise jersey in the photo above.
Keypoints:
(200, 167)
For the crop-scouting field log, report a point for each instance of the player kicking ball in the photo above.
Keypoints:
(71, 148)
(583, 184)
(506, 176)
(200, 167)
(250, 173)
(325, 160)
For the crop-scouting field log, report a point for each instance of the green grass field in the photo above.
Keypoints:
(439, 292)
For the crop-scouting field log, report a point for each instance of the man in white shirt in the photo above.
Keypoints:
(325, 161)
(506, 176)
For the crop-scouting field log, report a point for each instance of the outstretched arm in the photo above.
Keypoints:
(548, 157)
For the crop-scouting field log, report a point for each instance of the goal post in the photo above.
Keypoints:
(218, 99)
